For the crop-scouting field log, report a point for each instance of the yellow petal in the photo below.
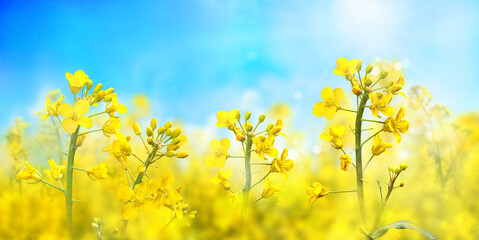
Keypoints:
(85, 122)
(338, 95)
(330, 112)
(210, 160)
(81, 107)
(215, 145)
(327, 93)
(318, 109)
(225, 145)
(125, 193)
(129, 211)
(69, 125)
(388, 111)
(66, 110)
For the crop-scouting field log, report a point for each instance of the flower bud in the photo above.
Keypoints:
(136, 128)
(170, 153)
(401, 184)
(141, 169)
(153, 123)
(391, 169)
(99, 96)
(270, 126)
(175, 141)
(149, 140)
(168, 125)
(89, 84)
(149, 132)
(97, 88)
(367, 81)
(108, 97)
(182, 155)
(389, 84)
(80, 140)
(238, 114)
(109, 90)
(168, 132)
(369, 68)
(403, 166)
(161, 130)
(383, 74)
(247, 116)
(172, 147)
(175, 133)
(248, 126)
(379, 94)
(357, 90)
(261, 118)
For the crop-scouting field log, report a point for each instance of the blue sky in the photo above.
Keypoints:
(194, 58)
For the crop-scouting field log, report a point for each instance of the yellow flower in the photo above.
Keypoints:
(161, 191)
(276, 129)
(228, 119)
(133, 199)
(52, 108)
(29, 173)
(315, 191)
(74, 115)
(223, 179)
(56, 170)
(397, 86)
(220, 153)
(111, 125)
(335, 136)
(379, 146)
(120, 149)
(264, 145)
(77, 81)
(98, 172)
(380, 103)
(112, 106)
(330, 106)
(269, 189)
(396, 125)
(282, 165)
(345, 67)
(345, 161)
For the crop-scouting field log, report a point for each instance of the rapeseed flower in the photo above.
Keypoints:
(330, 106)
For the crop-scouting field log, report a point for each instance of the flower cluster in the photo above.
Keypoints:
(152, 193)
(252, 140)
(378, 88)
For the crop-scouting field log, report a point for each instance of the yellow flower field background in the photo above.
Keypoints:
(136, 175)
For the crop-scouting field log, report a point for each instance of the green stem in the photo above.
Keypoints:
(371, 137)
(51, 185)
(259, 163)
(69, 182)
(359, 163)
(374, 121)
(343, 191)
(90, 132)
(96, 114)
(261, 179)
(371, 158)
(247, 168)
(347, 110)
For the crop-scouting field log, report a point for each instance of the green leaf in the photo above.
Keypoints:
(401, 224)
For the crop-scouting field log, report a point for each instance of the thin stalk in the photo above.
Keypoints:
(371, 137)
(374, 121)
(138, 180)
(258, 182)
(90, 132)
(359, 163)
(371, 158)
(343, 191)
(51, 185)
(378, 217)
(247, 168)
(69, 182)
(347, 110)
